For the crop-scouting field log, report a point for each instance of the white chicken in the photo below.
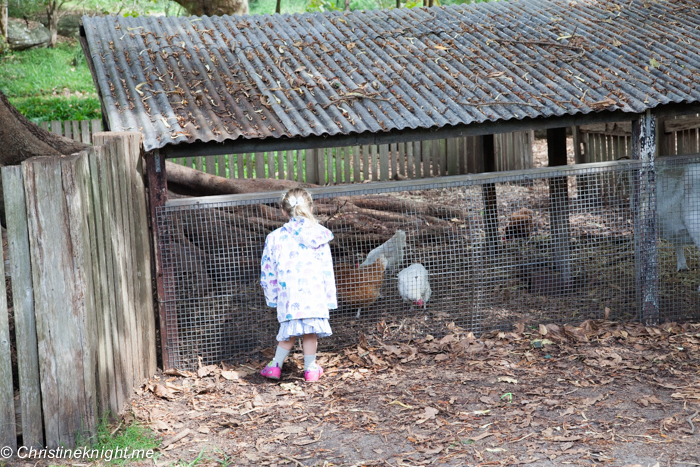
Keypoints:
(392, 250)
(414, 285)
(678, 208)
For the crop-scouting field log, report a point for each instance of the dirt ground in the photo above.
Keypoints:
(601, 393)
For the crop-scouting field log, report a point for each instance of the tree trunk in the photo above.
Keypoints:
(214, 7)
(185, 181)
(3, 21)
(52, 8)
(347, 5)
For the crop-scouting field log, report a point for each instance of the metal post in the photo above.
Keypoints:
(559, 207)
(643, 201)
(157, 197)
(488, 193)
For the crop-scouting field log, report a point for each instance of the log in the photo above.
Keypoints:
(186, 181)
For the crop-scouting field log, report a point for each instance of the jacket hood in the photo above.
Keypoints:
(307, 233)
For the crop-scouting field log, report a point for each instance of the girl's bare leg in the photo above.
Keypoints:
(309, 344)
(287, 345)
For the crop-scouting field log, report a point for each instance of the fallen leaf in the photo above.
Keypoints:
(161, 391)
(481, 436)
(290, 429)
(543, 330)
(207, 370)
(429, 414)
(507, 379)
(160, 425)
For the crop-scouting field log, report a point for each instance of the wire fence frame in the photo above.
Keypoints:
(559, 248)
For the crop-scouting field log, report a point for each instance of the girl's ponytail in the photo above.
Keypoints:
(297, 202)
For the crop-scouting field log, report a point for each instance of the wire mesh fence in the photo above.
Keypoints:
(411, 258)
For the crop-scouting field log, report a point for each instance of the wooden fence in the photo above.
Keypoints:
(78, 130)
(612, 141)
(80, 266)
(454, 156)
(372, 162)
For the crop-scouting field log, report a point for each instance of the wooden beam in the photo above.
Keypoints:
(644, 212)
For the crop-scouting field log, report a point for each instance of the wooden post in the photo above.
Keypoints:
(8, 433)
(559, 207)
(23, 304)
(488, 194)
(157, 197)
(644, 212)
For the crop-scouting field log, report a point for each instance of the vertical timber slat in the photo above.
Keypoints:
(106, 374)
(384, 162)
(56, 286)
(8, 432)
(23, 304)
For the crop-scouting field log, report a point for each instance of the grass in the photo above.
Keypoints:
(50, 84)
(130, 438)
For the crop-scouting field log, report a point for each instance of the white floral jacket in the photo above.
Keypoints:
(297, 271)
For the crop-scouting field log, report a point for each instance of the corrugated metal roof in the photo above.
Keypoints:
(223, 78)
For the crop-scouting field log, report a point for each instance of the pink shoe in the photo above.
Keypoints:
(314, 374)
(272, 372)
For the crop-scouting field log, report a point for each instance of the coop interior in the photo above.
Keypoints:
(480, 252)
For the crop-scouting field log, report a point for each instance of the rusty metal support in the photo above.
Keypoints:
(488, 193)
(157, 197)
(560, 229)
(644, 211)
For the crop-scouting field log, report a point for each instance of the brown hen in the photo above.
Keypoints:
(360, 286)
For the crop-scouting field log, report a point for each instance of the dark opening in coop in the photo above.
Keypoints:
(418, 257)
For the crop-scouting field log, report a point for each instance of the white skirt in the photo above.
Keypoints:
(299, 327)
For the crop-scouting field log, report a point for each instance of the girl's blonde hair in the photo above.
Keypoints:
(297, 202)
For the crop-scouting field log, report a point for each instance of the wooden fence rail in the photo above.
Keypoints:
(424, 159)
(81, 275)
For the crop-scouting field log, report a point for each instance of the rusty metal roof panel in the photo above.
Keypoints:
(209, 79)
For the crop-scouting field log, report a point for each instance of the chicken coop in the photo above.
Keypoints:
(420, 256)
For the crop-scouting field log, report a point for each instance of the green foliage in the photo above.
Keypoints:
(324, 5)
(46, 109)
(131, 437)
(50, 84)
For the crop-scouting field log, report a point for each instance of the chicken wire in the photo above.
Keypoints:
(544, 245)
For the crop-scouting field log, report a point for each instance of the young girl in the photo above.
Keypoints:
(297, 277)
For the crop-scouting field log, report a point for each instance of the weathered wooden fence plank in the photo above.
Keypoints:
(112, 216)
(23, 305)
(8, 432)
(321, 165)
(64, 394)
(75, 174)
(102, 279)
(384, 162)
(310, 166)
(452, 156)
(85, 133)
